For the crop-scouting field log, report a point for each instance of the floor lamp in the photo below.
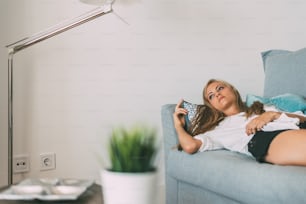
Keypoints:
(29, 41)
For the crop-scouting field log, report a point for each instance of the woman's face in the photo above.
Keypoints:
(220, 96)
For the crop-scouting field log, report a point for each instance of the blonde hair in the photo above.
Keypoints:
(207, 117)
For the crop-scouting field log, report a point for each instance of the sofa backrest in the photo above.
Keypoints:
(285, 72)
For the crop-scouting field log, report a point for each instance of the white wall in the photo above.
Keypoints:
(71, 89)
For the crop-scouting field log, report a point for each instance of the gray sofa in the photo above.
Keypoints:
(228, 177)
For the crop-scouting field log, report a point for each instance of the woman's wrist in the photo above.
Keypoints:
(178, 127)
(275, 115)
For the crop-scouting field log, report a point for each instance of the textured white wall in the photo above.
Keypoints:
(70, 90)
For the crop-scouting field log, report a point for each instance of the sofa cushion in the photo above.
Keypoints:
(285, 102)
(238, 176)
(285, 72)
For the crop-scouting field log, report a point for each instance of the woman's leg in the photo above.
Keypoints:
(288, 148)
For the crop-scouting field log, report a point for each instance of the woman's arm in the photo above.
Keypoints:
(187, 142)
(302, 118)
(257, 123)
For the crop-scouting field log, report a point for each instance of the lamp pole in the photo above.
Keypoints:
(29, 41)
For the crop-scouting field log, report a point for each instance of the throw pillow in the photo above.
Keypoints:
(285, 72)
(286, 102)
(250, 99)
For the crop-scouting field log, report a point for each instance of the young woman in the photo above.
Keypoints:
(225, 122)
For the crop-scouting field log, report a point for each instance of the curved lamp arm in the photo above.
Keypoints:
(29, 41)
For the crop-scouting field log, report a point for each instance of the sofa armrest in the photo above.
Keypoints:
(169, 133)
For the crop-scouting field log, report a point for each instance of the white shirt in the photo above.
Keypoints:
(231, 134)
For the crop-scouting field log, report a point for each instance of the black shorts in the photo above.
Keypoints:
(259, 144)
(302, 125)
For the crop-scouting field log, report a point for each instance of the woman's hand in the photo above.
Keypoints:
(257, 123)
(178, 115)
(187, 142)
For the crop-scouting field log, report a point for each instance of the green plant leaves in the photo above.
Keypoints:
(132, 150)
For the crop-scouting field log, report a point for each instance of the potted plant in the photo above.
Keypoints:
(131, 178)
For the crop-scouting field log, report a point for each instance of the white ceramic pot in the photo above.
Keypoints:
(129, 188)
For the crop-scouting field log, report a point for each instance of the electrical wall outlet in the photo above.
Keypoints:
(21, 163)
(47, 161)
